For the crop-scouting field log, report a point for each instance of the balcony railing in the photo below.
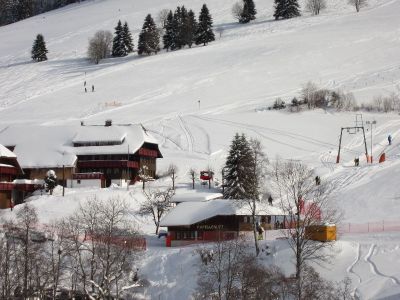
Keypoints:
(148, 152)
(6, 186)
(8, 170)
(108, 164)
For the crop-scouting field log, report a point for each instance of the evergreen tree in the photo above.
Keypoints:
(239, 176)
(118, 48)
(149, 38)
(169, 37)
(204, 32)
(191, 27)
(182, 29)
(24, 9)
(50, 182)
(39, 49)
(127, 37)
(249, 11)
(177, 27)
(286, 9)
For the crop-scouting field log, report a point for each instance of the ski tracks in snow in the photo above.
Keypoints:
(363, 262)
(187, 133)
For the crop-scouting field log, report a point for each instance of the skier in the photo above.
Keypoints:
(317, 180)
(85, 90)
(270, 200)
(390, 139)
(92, 88)
(260, 231)
(84, 84)
(356, 161)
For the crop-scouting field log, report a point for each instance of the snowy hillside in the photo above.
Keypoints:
(194, 100)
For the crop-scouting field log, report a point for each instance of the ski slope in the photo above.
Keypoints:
(194, 100)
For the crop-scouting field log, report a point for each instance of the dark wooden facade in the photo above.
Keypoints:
(214, 229)
(121, 166)
(9, 170)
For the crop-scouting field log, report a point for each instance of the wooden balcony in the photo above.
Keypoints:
(8, 170)
(148, 152)
(88, 176)
(108, 164)
(6, 186)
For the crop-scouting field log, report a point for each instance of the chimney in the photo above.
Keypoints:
(108, 123)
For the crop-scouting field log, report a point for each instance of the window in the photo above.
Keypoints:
(185, 235)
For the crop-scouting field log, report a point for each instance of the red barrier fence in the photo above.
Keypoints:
(133, 242)
(382, 226)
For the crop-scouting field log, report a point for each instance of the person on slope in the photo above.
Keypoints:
(390, 139)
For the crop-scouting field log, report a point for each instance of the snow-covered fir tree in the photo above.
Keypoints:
(118, 48)
(50, 182)
(169, 36)
(239, 170)
(182, 28)
(286, 9)
(191, 27)
(127, 37)
(204, 33)
(177, 27)
(39, 50)
(24, 9)
(149, 39)
(249, 11)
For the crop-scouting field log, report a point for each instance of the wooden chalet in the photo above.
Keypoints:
(111, 153)
(12, 189)
(213, 220)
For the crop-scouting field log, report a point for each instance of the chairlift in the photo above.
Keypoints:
(352, 130)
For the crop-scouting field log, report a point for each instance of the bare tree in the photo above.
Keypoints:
(27, 220)
(220, 30)
(192, 173)
(9, 261)
(309, 94)
(378, 100)
(103, 259)
(210, 172)
(237, 10)
(162, 18)
(172, 170)
(217, 277)
(100, 46)
(157, 203)
(229, 272)
(315, 6)
(56, 254)
(307, 204)
(258, 163)
(143, 175)
(358, 4)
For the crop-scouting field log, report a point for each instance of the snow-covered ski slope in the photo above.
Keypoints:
(234, 78)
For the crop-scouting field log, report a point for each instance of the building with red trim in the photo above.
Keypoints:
(214, 220)
(12, 190)
(75, 152)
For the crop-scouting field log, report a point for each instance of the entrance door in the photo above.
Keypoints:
(108, 182)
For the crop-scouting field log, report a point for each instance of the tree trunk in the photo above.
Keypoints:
(255, 228)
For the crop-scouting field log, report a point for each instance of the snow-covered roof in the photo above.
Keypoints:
(195, 197)
(88, 134)
(4, 152)
(189, 213)
(41, 146)
(6, 166)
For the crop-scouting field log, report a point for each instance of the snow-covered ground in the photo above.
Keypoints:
(234, 78)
